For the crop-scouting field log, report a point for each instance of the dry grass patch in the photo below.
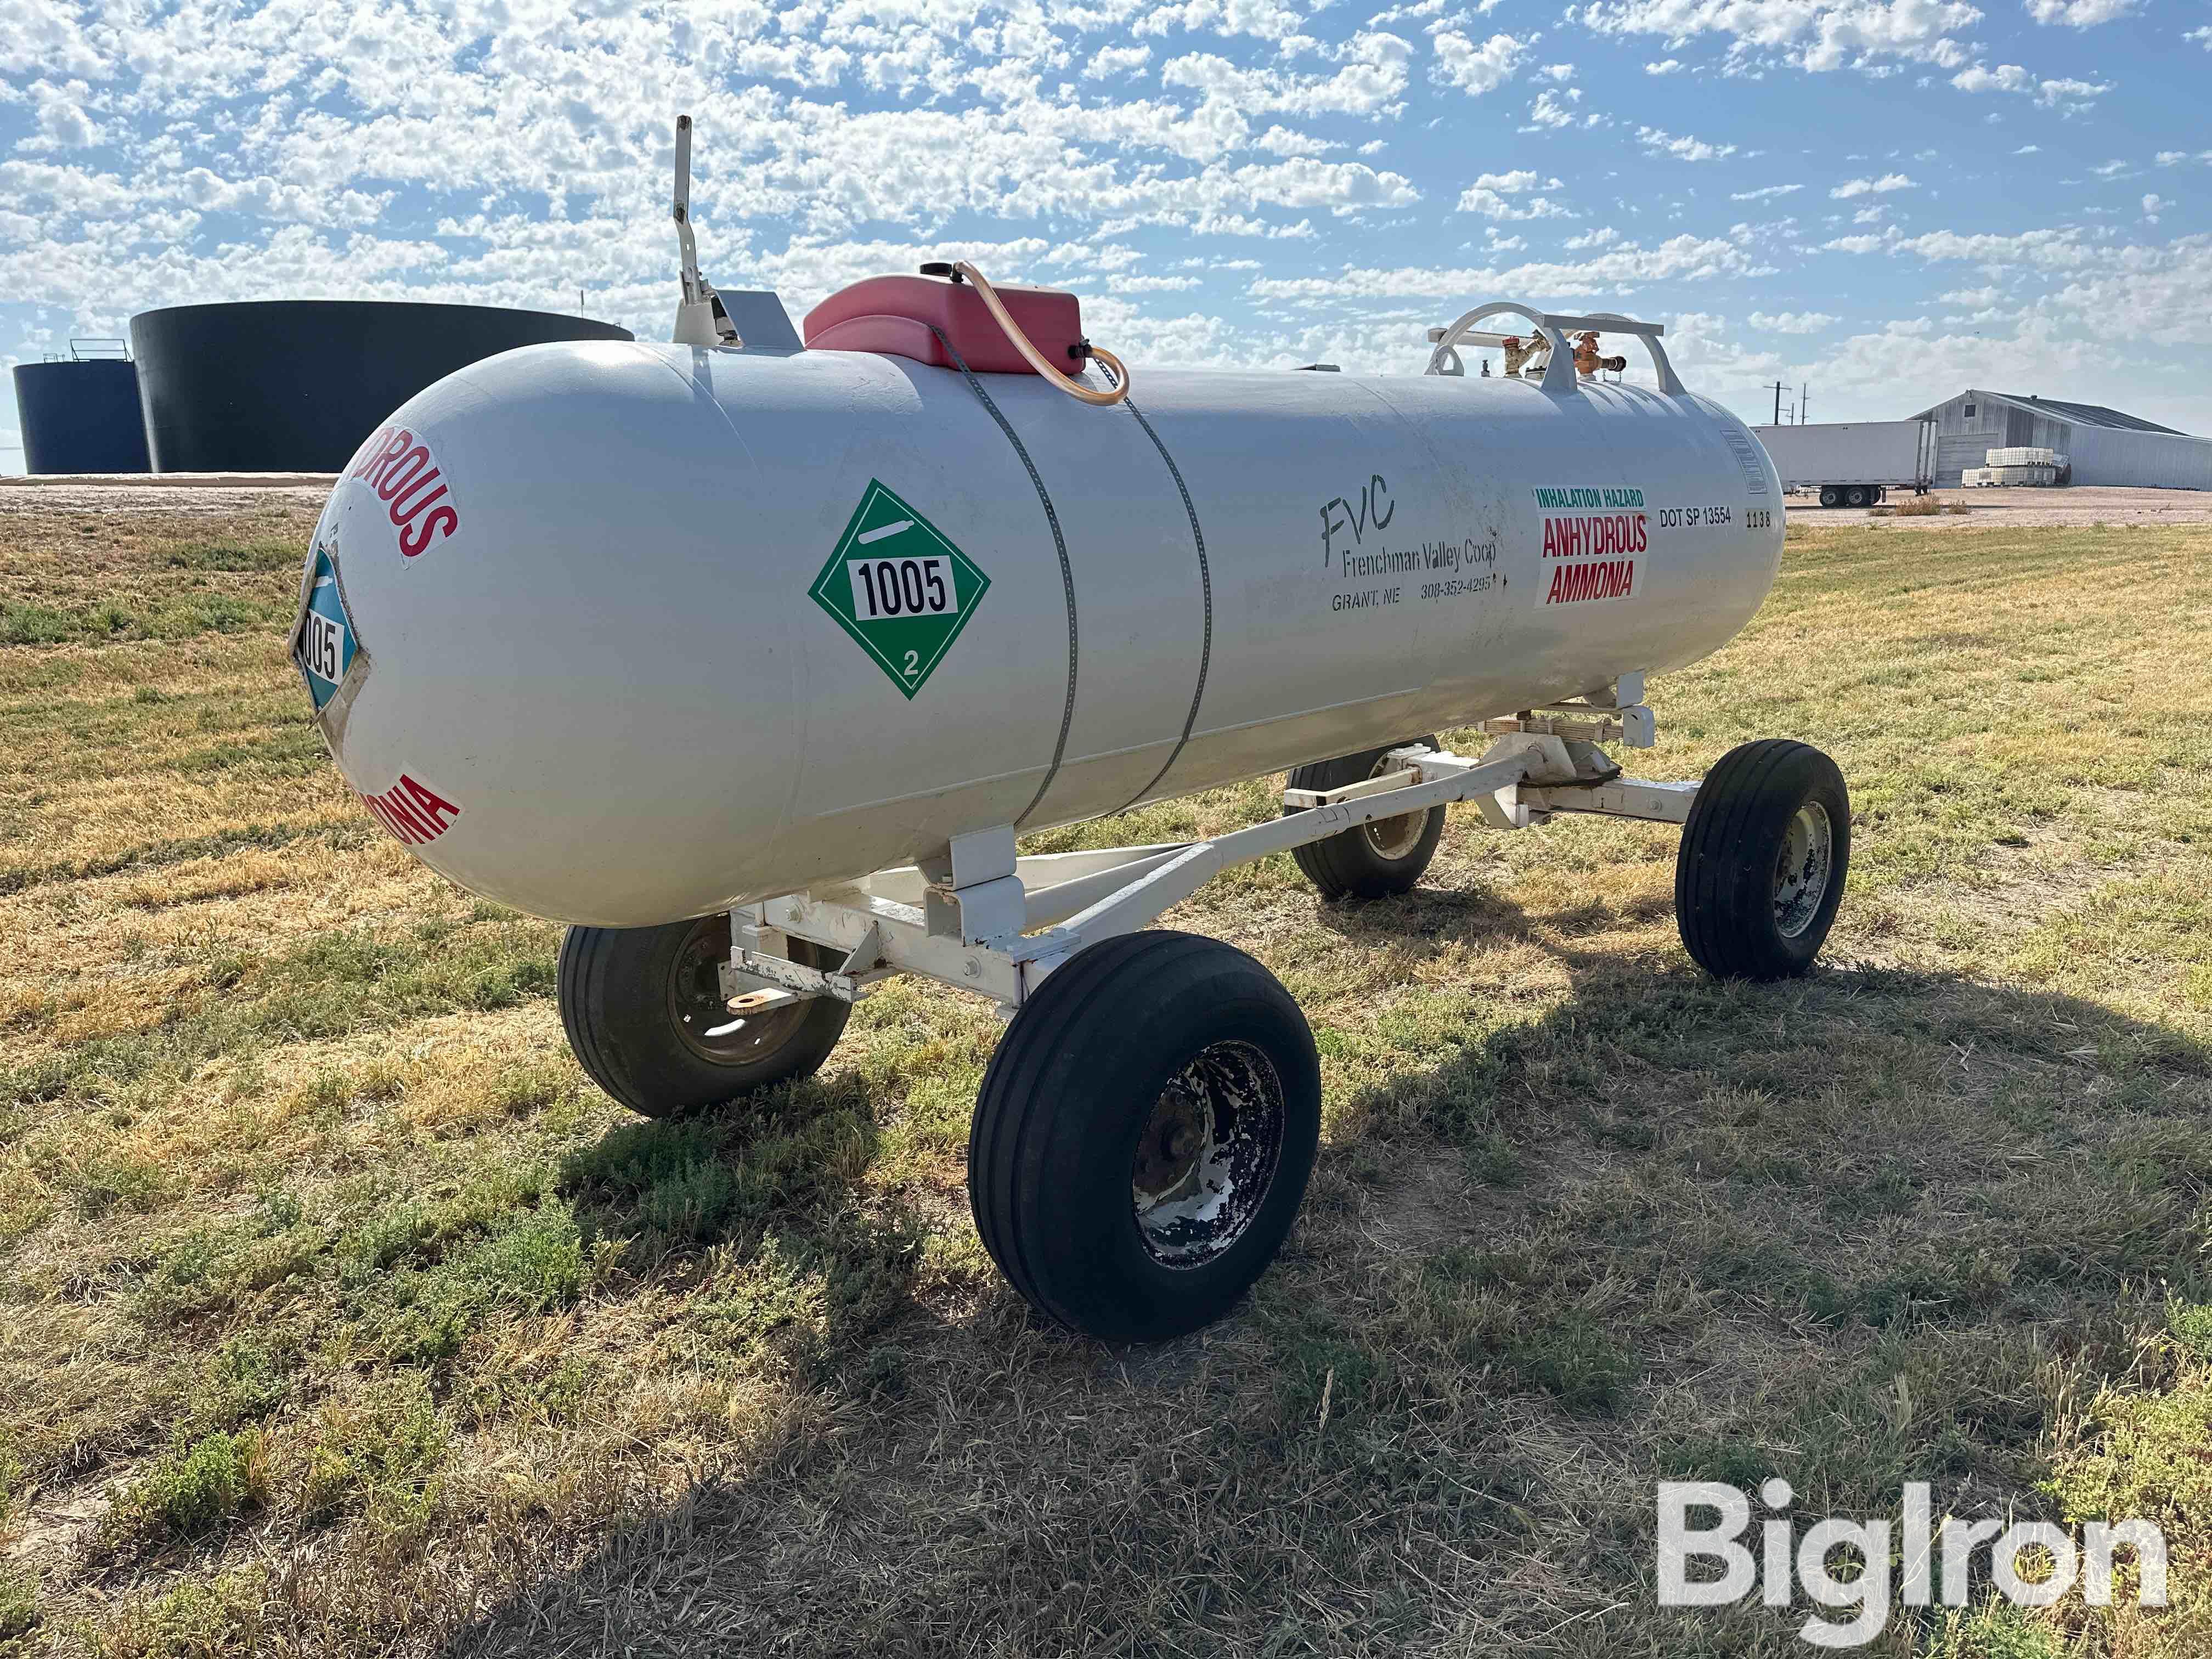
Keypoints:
(343, 1316)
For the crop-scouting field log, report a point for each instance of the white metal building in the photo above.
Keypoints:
(2106, 447)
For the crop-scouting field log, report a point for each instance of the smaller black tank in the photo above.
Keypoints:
(294, 386)
(80, 416)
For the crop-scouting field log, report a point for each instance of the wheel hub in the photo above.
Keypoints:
(1207, 1156)
(1803, 868)
(1394, 838)
(696, 1006)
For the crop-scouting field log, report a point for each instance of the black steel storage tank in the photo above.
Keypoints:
(80, 415)
(293, 386)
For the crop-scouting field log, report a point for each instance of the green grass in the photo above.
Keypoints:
(344, 1316)
(197, 1487)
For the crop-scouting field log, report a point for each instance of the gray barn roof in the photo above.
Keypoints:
(2080, 413)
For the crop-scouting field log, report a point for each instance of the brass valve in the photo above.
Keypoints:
(1519, 352)
(1588, 362)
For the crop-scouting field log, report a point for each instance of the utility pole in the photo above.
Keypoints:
(1803, 399)
(1777, 401)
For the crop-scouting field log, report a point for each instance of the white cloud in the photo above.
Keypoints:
(1791, 322)
(1372, 81)
(2079, 13)
(1259, 18)
(2011, 77)
(1883, 186)
(1488, 196)
(1475, 70)
(1116, 63)
(1683, 258)
(2153, 205)
(493, 151)
(1548, 112)
(1814, 34)
(1659, 141)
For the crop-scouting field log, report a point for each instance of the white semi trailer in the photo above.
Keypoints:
(1853, 463)
(753, 664)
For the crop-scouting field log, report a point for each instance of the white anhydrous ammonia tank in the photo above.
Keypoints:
(620, 634)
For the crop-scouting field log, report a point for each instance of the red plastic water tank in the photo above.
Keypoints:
(894, 314)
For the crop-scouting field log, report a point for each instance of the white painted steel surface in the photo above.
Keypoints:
(602, 692)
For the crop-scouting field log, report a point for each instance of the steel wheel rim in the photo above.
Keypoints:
(1394, 838)
(1206, 1159)
(696, 1005)
(1803, 868)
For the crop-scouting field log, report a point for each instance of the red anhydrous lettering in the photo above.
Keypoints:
(400, 468)
(1605, 536)
(1608, 579)
(412, 810)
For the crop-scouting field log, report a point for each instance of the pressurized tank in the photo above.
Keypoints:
(623, 632)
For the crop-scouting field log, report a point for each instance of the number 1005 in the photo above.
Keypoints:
(321, 647)
(901, 587)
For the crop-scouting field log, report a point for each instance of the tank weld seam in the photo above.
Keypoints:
(1059, 545)
(1206, 585)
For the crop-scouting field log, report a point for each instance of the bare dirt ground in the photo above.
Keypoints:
(2023, 509)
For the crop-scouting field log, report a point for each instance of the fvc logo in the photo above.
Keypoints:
(1913, 1548)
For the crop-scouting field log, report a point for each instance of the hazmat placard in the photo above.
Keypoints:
(324, 646)
(899, 586)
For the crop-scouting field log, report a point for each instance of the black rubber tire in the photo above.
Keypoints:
(1830, 496)
(1725, 874)
(1352, 865)
(1858, 495)
(1053, 1154)
(616, 1005)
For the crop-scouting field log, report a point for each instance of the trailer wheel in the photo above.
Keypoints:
(1144, 1134)
(1763, 859)
(1374, 861)
(1830, 496)
(1856, 496)
(638, 1004)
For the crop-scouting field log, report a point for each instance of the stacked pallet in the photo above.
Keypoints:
(2034, 477)
(2023, 465)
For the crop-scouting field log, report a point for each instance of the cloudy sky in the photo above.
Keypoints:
(1889, 199)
